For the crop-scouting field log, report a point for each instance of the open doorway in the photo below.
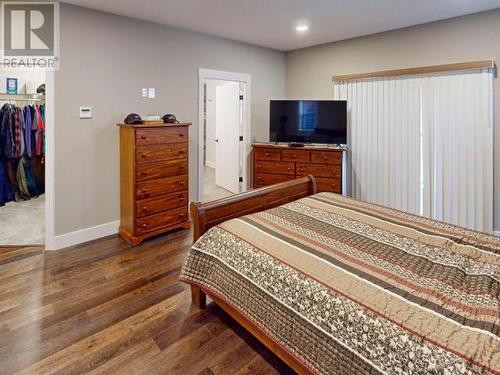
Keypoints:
(224, 135)
(22, 157)
(223, 127)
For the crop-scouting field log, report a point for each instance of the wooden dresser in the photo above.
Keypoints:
(153, 180)
(277, 163)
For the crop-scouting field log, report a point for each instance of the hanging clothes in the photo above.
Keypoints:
(27, 131)
(22, 152)
(26, 177)
(22, 183)
(38, 165)
(6, 134)
(6, 194)
(39, 131)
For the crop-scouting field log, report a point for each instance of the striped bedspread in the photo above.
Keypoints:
(353, 288)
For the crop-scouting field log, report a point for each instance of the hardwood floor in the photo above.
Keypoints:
(107, 308)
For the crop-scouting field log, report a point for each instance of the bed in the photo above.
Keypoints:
(337, 286)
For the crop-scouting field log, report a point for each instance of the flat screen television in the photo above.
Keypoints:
(308, 121)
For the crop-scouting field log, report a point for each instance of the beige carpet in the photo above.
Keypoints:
(211, 191)
(23, 223)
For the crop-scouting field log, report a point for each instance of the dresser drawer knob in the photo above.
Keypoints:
(143, 191)
(143, 137)
(295, 156)
(259, 166)
(182, 182)
(143, 156)
(181, 135)
(181, 167)
(144, 208)
(325, 157)
(181, 199)
(259, 178)
(144, 225)
(267, 154)
(289, 168)
(144, 173)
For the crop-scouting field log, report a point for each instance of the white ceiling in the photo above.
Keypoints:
(271, 23)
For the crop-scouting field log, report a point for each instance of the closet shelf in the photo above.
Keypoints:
(22, 97)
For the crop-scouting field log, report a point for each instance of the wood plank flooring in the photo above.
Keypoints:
(108, 308)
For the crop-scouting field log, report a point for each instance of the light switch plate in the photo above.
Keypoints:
(144, 92)
(85, 112)
(151, 93)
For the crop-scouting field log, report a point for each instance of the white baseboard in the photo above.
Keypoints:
(210, 164)
(83, 235)
(496, 233)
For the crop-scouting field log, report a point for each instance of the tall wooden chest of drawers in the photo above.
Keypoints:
(278, 163)
(153, 180)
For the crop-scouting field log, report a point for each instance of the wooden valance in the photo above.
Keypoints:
(482, 64)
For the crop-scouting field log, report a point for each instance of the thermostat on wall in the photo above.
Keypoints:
(85, 112)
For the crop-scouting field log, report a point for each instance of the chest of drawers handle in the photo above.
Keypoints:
(144, 173)
(144, 208)
(143, 137)
(267, 154)
(144, 225)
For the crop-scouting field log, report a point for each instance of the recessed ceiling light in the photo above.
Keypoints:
(302, 28)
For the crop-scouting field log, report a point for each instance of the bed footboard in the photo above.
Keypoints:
(207, 215)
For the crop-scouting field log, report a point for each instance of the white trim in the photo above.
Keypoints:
(85, 235)
(210, 164)
(204, 74)
(50, 151)
(496, 233)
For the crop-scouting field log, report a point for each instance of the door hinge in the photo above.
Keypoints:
(241, 138)
(241, 97)
(241, 179)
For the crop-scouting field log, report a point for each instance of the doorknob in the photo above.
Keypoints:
(216, 140)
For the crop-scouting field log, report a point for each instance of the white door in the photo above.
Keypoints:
(227, 132)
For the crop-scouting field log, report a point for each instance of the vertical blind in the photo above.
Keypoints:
(384, 140)
(424, 144)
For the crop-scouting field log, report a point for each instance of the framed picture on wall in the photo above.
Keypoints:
(12, 86)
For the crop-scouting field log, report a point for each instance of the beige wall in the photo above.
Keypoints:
(105, 61)
(309, 70)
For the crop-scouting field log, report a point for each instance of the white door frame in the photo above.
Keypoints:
(50, 151)
(204, 74)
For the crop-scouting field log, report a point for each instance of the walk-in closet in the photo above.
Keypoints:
(22, 157)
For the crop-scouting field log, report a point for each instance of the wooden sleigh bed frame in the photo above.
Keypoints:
(207, 215)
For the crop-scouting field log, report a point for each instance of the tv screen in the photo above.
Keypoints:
(309, 121)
